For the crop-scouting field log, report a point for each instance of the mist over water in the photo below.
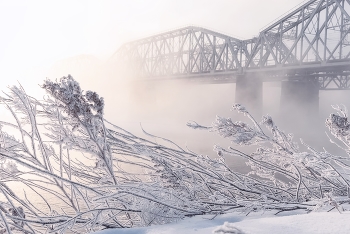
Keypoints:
(164, 107)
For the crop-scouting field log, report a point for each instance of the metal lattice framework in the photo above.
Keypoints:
(312, 41)
(186, 51)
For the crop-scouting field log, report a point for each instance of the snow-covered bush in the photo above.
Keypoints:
(298, 175)
(77, 171)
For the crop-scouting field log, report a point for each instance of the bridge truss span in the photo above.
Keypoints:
(312, 40)
(190, 50)
(316, 33)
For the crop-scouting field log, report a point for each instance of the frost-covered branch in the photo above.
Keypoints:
(99, 175)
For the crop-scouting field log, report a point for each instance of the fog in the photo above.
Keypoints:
(44, 39)
(164, 107)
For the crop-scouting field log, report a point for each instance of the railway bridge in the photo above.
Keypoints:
(308, 49)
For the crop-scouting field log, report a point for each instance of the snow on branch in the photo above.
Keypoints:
(79, 172)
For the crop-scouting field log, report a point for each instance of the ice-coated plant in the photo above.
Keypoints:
(293, 174)
(64, 167)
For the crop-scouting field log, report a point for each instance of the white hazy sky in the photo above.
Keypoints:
(35, 34)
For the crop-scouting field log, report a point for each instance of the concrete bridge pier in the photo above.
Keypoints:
(249, 93)
(299, 104)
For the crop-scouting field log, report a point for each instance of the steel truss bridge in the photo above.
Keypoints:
(311, 42)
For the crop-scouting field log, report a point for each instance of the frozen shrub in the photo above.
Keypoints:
(85, 173)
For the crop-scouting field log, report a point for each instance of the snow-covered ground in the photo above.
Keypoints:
(315, 222)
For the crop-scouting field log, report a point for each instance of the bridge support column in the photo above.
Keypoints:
(300, 105)
(249, 93)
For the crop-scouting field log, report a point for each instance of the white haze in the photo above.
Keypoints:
(55, 38)
(164, 107)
